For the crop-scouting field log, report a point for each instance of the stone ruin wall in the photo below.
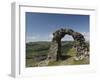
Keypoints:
(55, 48)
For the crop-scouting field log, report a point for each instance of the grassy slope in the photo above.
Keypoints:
(41, 48)
(70, 61)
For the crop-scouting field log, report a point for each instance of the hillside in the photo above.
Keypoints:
(37, 51)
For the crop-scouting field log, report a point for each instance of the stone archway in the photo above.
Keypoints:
(55, 48)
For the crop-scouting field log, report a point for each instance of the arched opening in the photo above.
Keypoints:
(66, 45)
(56, 45)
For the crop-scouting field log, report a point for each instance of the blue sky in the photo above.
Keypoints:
(40, 26)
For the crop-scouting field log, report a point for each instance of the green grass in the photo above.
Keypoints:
(81, 62)
(31, 63)
(55, 63)
(71, 52)
(42, 48)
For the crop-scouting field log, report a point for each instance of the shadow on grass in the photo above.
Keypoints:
(64, 57)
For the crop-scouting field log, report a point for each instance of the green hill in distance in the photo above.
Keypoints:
(37, 51)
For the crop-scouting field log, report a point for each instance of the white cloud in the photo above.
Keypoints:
(50, 36)
(32, 38)
(86, 35)
(67, 38)
(70, 38)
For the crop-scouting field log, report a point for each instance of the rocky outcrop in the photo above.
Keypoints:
(55, 48)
